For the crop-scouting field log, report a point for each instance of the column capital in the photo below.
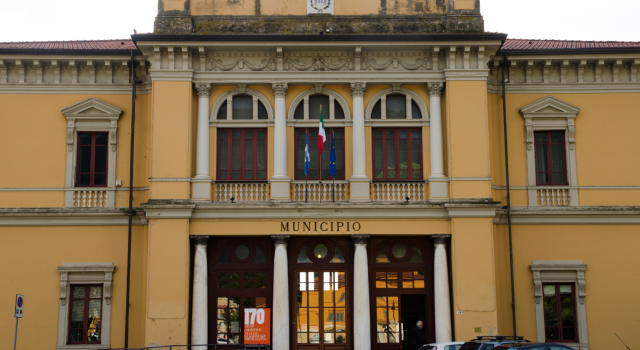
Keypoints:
(199, 240)
(440, 239)
(280, 89)
(280, 239)
(435, 88)
(358, 89)
(204, 90)
(360, 239)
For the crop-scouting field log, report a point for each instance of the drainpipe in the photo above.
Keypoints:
(506, 162)
(133, 121)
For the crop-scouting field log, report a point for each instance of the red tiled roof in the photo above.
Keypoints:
(123, 44)
(527, 44)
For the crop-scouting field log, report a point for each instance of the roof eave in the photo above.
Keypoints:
(68, 52)
(578, 51)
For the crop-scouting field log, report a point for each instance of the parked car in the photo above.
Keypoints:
(534, 346)
(489, 343)
(443, 346)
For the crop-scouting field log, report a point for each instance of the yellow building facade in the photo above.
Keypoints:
(402, 217)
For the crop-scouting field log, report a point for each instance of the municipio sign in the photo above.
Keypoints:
(19, 305)
(257, 326)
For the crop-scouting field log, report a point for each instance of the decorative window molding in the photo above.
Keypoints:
(91, 115)
(334, 97)
(85, 273)
(551, 113)
(394, 90)
(563, 271)
(227, 98)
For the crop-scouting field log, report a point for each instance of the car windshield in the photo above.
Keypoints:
(453, 347)
(472, 346)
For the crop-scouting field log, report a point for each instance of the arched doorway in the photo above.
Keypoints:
(321, 270)
(401, 290)
(240, 276)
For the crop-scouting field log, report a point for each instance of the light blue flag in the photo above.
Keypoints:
(307, 158)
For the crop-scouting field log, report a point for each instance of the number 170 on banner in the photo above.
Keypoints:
(257, 326)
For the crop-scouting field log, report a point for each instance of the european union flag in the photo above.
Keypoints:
(332, 159)
(307, 158)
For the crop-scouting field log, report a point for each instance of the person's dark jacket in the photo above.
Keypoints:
(416, 338)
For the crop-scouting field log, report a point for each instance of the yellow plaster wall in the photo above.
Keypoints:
(168, 282)
(36, 158)
(32, 271)
(173, 5)
(610, 284)
(605, 139)
(473, 279)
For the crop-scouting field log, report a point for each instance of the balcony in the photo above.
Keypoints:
(553, 196)
(241, 192)
(90, 197)
(317, 192)
(398, 191)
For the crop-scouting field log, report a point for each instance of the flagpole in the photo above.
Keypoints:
(306, 185)
(320, 155)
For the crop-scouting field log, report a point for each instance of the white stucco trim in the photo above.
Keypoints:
(397, 90)
(85, 273)
(319, 90)
(554, 271)
(241, 90)
(91, 115)
(551, 113)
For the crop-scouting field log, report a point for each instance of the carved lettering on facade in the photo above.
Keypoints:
(323, 226)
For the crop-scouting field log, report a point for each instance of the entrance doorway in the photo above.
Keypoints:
(401, 285)
(412, 310)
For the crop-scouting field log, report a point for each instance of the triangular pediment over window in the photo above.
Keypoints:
(551, 107)
(92, 107)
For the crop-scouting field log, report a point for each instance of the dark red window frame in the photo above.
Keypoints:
(313, 145)
(92, 171)
(254, 169)
(549, 162)
(384, 169)
(558, 311)
(85, 322)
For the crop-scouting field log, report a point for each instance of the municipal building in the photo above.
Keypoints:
(480, 184)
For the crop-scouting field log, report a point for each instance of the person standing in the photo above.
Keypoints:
(416, 336)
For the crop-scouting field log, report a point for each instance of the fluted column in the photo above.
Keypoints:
(359, 181)
(201, 183)
(441, 289)
(280, 181)
(361, 312)
(200, 310)
(438, 182)
(280, 294)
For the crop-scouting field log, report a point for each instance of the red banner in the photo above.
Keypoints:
(257, 326)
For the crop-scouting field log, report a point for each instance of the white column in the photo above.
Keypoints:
(361, 312)
(359, 181)
(202, 148)
(280, 181)
(435, 134)
(441, 289)
(200, 311)
(281, 325)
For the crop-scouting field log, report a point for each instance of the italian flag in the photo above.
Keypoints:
(322, 137)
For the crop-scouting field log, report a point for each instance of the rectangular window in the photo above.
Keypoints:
(397, 154)
(91, 167)
(560, 313)
(314, 162)
(85, 314)
(550, 158)
(242, 154)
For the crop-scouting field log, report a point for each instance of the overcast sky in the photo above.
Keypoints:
(37, 20)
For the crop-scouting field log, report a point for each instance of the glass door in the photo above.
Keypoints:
(321, 309)
(237, 291)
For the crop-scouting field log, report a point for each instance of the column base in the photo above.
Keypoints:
(438, 189)
(201, 189)
(280, 189)
(359, 189)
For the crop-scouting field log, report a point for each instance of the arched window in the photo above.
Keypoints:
(330, 108)
(396, 108)
(242, 107)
